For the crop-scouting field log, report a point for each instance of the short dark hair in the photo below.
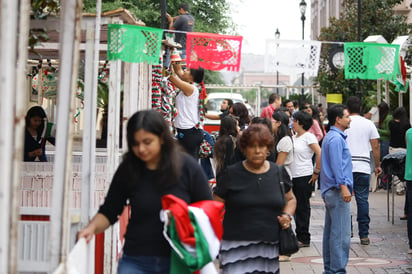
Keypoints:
(198, 74)
(286, 102)
(334, 112)
(303, 118)
(184, 6)
(229, 102)
(256, 133)
(273, 97)
(354, 104)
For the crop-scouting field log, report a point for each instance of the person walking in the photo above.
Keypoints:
(226, 144)
(283, 148)
(275, 101)
(362, 135)
(283, 139)
(305, 145)
(336, 187)
(316, 128)
(154, 166)
(256, 209)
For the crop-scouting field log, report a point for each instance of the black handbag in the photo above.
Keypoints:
(288, 243)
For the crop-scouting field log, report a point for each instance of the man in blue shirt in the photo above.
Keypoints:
(336, 184)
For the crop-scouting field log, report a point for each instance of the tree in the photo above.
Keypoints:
(210, 16)
(378, 17)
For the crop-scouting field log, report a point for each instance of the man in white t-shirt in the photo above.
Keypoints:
(362, 136)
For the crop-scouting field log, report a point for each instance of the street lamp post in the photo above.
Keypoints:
(302, 7)
(277, 36)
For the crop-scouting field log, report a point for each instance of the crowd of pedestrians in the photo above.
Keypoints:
(263, 169)
(252, 158)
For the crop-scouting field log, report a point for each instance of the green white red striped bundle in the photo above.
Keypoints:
(194, 232)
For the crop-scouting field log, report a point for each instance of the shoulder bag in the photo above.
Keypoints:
(288, 243)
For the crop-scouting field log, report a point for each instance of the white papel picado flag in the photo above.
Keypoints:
(292, 57)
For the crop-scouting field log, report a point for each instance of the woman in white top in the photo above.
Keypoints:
(187, 121)
(304, 176)
(283, 139)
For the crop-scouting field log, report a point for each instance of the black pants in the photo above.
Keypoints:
(303, 191)
(190, 139)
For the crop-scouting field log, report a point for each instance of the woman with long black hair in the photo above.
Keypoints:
(153, 167)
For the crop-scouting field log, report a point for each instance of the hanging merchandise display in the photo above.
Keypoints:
(163, 94)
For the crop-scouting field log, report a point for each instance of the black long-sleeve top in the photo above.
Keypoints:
(144, 236)
(31, 144)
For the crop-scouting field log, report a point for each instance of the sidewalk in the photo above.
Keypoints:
(387, 252)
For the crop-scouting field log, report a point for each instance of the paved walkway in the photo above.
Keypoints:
(387, 252)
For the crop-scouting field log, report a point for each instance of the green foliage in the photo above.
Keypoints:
(213, 77)
(210, 15)
(378, 18)
(40, 9)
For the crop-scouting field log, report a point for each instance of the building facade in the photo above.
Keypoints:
(322, 10)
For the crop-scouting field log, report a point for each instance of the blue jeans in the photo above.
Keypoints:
(384, 148)
(143, 265)
(361, 183)
(336, 234)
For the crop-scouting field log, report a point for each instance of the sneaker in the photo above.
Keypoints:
(410, 251)
(404, 217)
(284, 258)
(364, 241)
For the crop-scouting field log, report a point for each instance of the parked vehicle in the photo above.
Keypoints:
(213, 102)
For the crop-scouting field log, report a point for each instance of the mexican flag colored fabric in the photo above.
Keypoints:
(194, 232)
(401, 82)
(213, 51)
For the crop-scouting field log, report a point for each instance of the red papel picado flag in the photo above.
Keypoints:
(213, 51)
